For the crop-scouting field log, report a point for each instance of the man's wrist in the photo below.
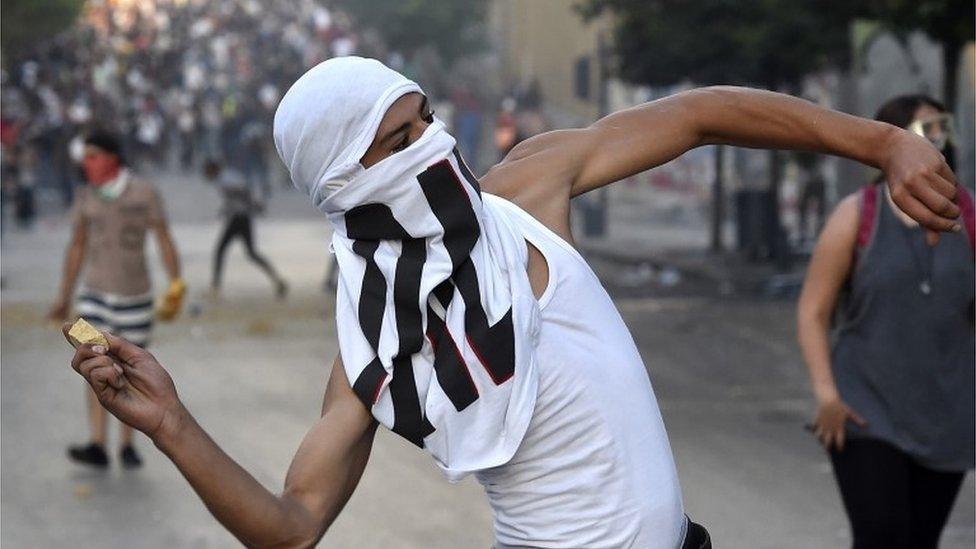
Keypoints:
(886, 140)
(173, 429)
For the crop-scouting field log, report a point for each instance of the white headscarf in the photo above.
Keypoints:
(435, 315)
(328, 118)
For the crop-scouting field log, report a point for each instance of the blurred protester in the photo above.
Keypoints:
(254, 139)
(200, 78)
(530, 122)
(186, 124)
(8, 160)
(529, 118)
(506, 132)
(895, 406)
(13, 118)
(8, 185)
(468, 118)
(110, 219)
(519, 118)
(149, 133)
(49, 134)
(25, 177)
(812, 197)
(238, 207)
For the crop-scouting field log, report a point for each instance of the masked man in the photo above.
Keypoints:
(110, 218)
(470, 325)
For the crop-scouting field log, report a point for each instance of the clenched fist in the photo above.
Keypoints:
(921, 183)
(130, 384)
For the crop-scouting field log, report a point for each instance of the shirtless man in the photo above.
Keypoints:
(591, 464)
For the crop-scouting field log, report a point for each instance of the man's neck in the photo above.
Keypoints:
(114, 187)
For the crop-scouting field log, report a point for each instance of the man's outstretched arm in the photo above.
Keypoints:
(637, 139)
(922, 184)
(325, 471)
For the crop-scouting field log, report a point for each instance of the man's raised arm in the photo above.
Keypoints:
(325, 471)
(648, 135)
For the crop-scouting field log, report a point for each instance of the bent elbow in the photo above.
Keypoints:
(295, 532)
(303, 542)
(812, 316)
(294, 540)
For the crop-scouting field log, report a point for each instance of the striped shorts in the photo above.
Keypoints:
(130, 317)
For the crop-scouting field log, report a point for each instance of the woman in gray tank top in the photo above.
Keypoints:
(894, 381)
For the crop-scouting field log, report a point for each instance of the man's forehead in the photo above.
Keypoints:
(331, 116)
(401, 111)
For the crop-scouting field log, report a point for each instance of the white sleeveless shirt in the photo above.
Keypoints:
(595, 467)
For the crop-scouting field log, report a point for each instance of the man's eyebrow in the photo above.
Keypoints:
(405, 125)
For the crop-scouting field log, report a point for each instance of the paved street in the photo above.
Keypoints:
(726, 372)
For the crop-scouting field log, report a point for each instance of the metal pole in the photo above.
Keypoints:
(599, 210)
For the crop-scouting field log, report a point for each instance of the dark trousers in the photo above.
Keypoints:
(239, 226)
(892, 502)
(696, 537)
(186, 150)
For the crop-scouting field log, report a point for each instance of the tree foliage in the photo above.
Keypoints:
(952, 23)
(453, 29)
(945, 21)
(25, 23)
(772, 43)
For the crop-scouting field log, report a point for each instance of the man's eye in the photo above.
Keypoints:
(429, 117)
(401, 145)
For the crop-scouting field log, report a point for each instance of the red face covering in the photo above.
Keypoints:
(100, 168)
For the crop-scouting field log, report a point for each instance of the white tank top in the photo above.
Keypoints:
(595, 467)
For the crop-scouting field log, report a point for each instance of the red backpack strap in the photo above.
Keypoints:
(869, 206)
(965, 201)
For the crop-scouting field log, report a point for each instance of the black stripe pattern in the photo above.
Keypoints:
(466, 172)
(369, 225)
(494, 344)
(116, 308)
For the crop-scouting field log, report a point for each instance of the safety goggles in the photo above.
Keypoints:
(937, 129)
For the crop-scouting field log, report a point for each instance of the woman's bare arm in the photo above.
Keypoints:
(828, 270)
(827, 273)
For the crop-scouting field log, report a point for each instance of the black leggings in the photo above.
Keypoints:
(892, 502)
(239, 226)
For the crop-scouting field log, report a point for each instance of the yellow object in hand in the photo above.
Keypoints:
(83, 333)
(171, 302)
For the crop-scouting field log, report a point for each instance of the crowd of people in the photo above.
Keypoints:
(184, 81)
(181, 80)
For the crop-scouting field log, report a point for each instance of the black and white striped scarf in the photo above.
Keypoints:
(435, 315)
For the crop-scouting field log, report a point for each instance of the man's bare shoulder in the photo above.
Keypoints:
(538, 174)
(540, 161)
